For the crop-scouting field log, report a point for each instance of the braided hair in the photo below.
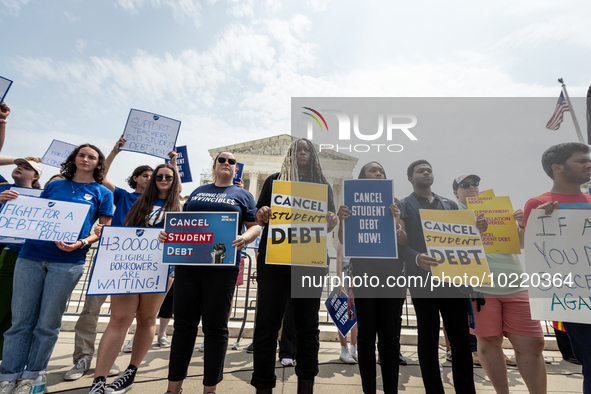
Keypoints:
(289, 168)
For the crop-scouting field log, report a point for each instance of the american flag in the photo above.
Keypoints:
(557, 116)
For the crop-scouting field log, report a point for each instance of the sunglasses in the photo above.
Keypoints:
(222, 160)
(160, 178)
(466, 185)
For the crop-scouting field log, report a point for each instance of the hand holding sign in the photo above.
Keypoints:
(263, 215)
(150, 134)
(4, 111)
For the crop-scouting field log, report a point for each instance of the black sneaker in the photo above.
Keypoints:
(123, 383)
(98, 386)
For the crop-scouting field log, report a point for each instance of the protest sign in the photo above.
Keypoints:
(57, 153)
(42, 219)
(341, 311)
(182, 164)
(501, 235)
(4, 86)
(150, 134)
(557, 260)
(200, 238)
(23, 191)
(128, 261)
(370, 231)
(487, 193)
(238, 175)
(297, 229)
(453, 239)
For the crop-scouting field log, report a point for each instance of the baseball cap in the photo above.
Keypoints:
(461, 178)
(36, 166)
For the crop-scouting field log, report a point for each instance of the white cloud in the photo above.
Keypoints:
(14, 6)
(181, 9)
(80, 44)
(71, 17)
(241, 8)
(317, 5)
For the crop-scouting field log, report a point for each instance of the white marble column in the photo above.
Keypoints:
(254, 182)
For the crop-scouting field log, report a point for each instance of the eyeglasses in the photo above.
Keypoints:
(222, 160)
(466, 185)
(160, 178)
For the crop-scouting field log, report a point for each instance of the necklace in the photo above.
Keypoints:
(78, 188)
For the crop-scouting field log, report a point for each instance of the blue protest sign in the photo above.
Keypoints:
(4, 86)
(200, 238)
(238, 175)
(370, 230)
(182, 164)
(341, 311)
(57, 153)
(150, 133)
(128, 261)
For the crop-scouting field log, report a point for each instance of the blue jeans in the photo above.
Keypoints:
(580, 335)
(40, 292)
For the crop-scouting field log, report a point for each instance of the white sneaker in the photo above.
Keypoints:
(114, 371)
(78, 370)
(163, 341)
(448, 355)
(346, 356)
(353, 351)
(6, 387)
(127, 348)
(27, 386)
(287, 362)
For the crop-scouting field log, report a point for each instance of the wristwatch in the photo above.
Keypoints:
(85, 244)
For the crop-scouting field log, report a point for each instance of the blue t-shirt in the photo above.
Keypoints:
(4, 185)
(153, 219)
(211, 198)
(123, 201)
(100, 200)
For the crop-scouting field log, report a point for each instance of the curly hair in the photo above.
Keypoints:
(138, 215)
(137, 172)
(69, 165)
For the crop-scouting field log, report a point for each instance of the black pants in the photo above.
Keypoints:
(166, 308)
(274, 289)
(454, 312)
(378, 316)
(288, 341)
(201, 292)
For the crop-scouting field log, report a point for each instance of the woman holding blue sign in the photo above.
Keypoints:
(378, 308)
(47, 272)
(203, 292)
(160, 196)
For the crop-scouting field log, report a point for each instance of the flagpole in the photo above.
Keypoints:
(572, 111)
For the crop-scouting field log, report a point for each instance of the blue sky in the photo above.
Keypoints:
(227, 68)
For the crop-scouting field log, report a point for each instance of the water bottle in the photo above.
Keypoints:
(38, 385)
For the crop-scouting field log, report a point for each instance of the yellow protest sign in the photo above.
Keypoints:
(487, 193)
(297, 229)
(453, 239)
(501, 235)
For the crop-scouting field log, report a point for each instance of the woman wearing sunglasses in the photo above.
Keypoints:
(160, 196)
(206, 292)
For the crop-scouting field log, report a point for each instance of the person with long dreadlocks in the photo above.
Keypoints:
(301, 164)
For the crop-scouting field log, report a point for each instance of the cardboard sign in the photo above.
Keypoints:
(370, 231)
(42, 219)
(182, 164)
(200, 238)
(501, 235)
(149, 133)
(57, 153)
(4, 87)
(342, 313)
(453, 239)
(128, 261)
(557, 260)
(297, 229)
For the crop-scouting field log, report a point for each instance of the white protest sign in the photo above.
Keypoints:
(42, 219)
(557, 260)
(128, 261)
(4, 86)
(57, 153)
(150, 133)
(24, 191)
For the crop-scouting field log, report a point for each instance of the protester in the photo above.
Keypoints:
(86, 325)
(301, 164)
(375, 306)
(160, 196)
(4, 112)
(26, 174)
(56, 177)
(47, 272)
(506, 312)
(569, 166)
(206, 292)
(450, 301)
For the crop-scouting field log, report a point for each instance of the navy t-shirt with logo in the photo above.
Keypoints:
(100, 200)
